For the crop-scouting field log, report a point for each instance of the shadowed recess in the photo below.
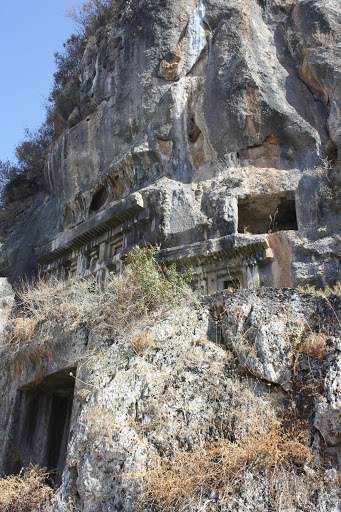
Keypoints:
(41, 423)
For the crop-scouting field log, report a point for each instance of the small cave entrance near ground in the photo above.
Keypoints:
(267, 213)
(41, 422)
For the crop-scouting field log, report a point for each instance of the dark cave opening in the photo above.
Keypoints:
(41, 423)
(267, 213)
(99, 199)
(231, 284)
(193, 131)
(57, 435)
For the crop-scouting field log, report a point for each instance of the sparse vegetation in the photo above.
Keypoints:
(88, 18)
(188, 478)
(328, 177)
(141, 288)
(21, 180)
(325, 38)
(141, 342)
(329, 290)
(26, 492)
(94, 14)
(335, 322)
(191, 473)
(244, 434)
(314, 345)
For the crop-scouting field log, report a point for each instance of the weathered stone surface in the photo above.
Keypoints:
(174, 391)
(198, 129)
(209, 110)
(327, 417)
(23, 371)
(318, 28)
(264, 328)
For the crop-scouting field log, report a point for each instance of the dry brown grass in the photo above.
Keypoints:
(335, 290)
(314, 345)
(171, 484)
(45, 302)
(140, 343)
(326, 38)
(25, 492)
(22, 329)
(117, 304)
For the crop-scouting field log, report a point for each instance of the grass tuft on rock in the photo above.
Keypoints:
(26, 491)
(117, 303)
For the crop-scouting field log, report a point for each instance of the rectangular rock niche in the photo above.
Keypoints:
(267, 213)
(41, 423)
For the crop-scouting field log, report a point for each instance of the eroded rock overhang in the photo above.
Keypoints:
(41, 421)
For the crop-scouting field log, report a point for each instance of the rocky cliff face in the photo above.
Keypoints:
(203, 128)
(102, 409)
(199, 129)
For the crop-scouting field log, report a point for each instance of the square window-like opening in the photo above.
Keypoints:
(267, 213)
(41, 422)
(231, 284)
(229, 280)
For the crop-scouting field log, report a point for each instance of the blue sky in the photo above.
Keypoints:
(30, 33)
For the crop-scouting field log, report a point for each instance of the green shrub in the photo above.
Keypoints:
(67, 100)
(157, 285)
(123, 299)
(21, 181)
(64, 96)
(94, 14)
(67, 62)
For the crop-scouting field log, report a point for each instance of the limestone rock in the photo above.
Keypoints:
(217, 113)
(200, 129)
(171, 384)
(261, 332)
(328, 409)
